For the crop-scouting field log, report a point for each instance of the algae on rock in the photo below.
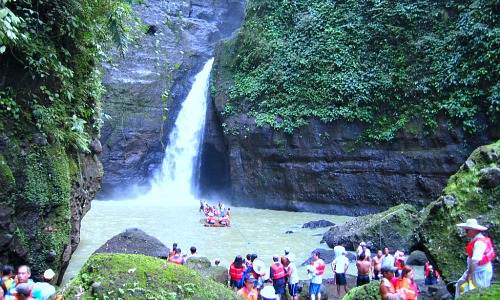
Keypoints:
(393, 228)
(464, 197)
(135, 276)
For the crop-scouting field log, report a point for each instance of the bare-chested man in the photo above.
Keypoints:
(377, 265)
(363, 265)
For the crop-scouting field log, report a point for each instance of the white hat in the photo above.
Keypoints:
(268, 292)
(49, 274)
(259, 267)
(291, 257)
(362, 244)
(472, 224)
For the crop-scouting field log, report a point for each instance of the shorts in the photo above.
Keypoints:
(237, 284)
(314, 288)
(340, 279)
(293, 289)
(362, 280)
(279, 286)
(376, 274)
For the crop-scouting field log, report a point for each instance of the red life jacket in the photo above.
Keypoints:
(320, 266)
(236, 273)
(176, 259)
(278, 271)
(488, 255)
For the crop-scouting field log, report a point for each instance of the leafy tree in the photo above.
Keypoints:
(384, 63)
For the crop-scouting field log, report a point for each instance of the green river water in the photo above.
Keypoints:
(259, 231)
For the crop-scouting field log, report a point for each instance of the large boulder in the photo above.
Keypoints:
(393, 228)
(204, 267)
(416, 258)
(133, 276)
(135, 241)
(469, 194)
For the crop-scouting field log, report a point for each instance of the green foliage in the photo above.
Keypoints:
(365, 292)
(383, 63)
(492, 292)
(463, 198)
(132, 276)
(9, 26)
(50, 77)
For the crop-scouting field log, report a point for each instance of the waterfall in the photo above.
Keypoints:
(174, 182)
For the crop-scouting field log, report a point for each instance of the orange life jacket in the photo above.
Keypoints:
(176, 259)
(278, 271)
(247, 294)
(236, 273)
(320, 266)
(488, 255)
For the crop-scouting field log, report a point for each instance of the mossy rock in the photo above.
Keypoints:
(366, 292)
(462, 198)
(393, 228)
(203, 266)
(135, 276)
(492, 292)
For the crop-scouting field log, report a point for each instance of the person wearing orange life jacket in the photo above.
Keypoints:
(480, 253)
(177, 257)
(248, 291)
(236, 271)
(277, 273)
(316, 271)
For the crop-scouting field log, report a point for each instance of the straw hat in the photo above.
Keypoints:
(472, 224)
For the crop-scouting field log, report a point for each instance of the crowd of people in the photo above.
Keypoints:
(19, 285)
(252, 279)
(216, 214)
(396, 279)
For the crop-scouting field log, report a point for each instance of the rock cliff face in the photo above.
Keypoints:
(145, 88)
(323, 167)
(45, 192)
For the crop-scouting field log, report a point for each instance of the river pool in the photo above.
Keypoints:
(253, 230)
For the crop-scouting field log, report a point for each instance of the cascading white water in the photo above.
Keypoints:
(174, 182)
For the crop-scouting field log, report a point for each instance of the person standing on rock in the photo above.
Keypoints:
(277, 273)
(236, 273)
(339, 268)
(480, 253)
(363, 265)
(293, 277)
(376, 265)
(316, 271)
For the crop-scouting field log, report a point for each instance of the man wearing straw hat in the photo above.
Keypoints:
(480, 253)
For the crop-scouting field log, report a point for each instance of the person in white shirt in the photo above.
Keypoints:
(338, 250)
(293, 277)
(480, 253)
(339, 268)
(387, 259)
